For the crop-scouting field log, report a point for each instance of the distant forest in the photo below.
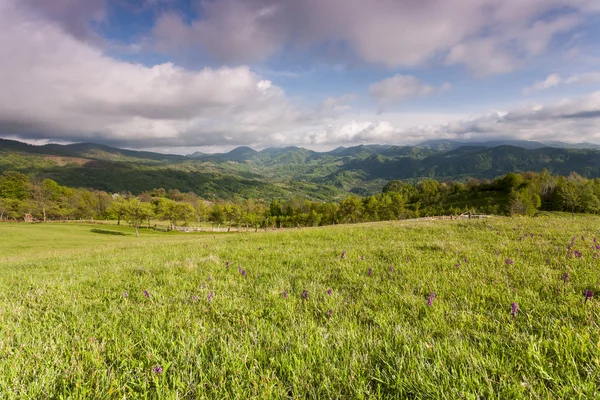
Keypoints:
(514, 193)
(291, 173)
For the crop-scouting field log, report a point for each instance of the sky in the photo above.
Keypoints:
(184, 75)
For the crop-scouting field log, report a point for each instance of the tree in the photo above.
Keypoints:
(232, 214)
(371, 207)
(201, 209)
(45, 193)
(103, 203)
(167, 209)
(525, 200)
(118, 209)
(391, 206)
(408, 191)
(14, 185)
(314, 218)
(510, 182)
(524, 203)
(547, 185)
(138, 212)
(216, 215)
(569, 193)
(429, 191)
(351, 209)
(7, 208)
(174, 211)
(329, 213)
(589, 202)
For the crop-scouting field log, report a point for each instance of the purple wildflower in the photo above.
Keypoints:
(304, 294)
(146, 293)
(430, 299)
(577, 254)
(565, 277)
(210, 296)
(588, 294)
(508, 261)
(284, 294)
(329, 292)
(243, 272)
(157, 369)
(125, 293)
(391, 269)
(343, 255)
(514, 309)
(195, 298)
(457, 265)
(227, 264)
(370, 271)
(595, 240)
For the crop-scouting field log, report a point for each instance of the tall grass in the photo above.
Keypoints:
(76, 322)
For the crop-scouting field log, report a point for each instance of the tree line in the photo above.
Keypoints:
(514, 193)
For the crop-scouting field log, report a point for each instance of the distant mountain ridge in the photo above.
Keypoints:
(292, 171)
(243, 153)
(525, 144)
(85, 150)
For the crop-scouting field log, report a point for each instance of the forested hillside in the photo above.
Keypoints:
(524, 194)
(290, 172)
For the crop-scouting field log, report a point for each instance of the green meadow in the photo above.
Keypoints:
(414, 309)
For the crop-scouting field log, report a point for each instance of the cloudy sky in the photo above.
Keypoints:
(182, 75)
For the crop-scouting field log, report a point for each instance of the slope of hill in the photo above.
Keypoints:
(89, 151)
(290, 171)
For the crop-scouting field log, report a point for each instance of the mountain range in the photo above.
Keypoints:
(292, 171)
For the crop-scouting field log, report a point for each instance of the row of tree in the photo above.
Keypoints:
(522, 193)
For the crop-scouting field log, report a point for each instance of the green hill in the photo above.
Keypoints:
(290, 171)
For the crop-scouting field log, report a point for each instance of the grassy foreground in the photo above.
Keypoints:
(290, 318)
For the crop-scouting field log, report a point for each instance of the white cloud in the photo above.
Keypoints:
(231, 30)
(335, 105)
(570, 120)
(402, 87)
(56, 86)
(60, 88)
(74, 16)
(588, 77)
(488, 36)
(551, 81)
(554, 80)
(482, 57)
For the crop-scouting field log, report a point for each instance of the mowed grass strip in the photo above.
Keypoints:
(27, 241)
(173, 316)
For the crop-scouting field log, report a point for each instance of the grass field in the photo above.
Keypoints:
(290, 318)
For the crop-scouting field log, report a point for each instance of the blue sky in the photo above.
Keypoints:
(182, 75)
